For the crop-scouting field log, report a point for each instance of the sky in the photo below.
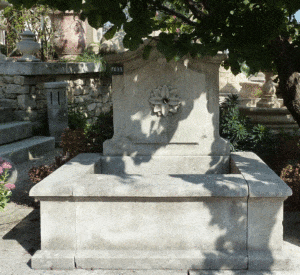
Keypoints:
(298, 15)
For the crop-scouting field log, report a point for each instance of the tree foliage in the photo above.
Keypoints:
(263, 34)
(247, 28)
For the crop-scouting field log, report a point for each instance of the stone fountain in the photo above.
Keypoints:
(166, 194)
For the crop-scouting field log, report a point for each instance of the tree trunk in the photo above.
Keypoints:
(287, 62)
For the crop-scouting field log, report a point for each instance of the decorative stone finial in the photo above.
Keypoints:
(28, 47)
(163, 101)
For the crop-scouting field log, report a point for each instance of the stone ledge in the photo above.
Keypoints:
(60, 182)
(135, 186)
(139, 259)
(262, 180)
(43, 68)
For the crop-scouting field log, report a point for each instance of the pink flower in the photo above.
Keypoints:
(6, 165)
(1, 170)
(174, 16)
(10, 186)
(177, 30)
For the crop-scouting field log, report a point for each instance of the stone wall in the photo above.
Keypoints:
(23, 95)
(91, 95)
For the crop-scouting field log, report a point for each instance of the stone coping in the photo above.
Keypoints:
(261, 179)
(156, 186)
(264, 110)
(45, 68)
(77, 179)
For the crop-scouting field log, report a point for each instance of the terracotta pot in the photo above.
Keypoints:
(69, 34)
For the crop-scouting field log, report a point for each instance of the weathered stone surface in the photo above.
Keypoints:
(192, 130)
(171, 261)
(91, 107)
(28, 115)
(10, 132)
(8, 103)
(19, 80)
(41, 104)
(55, 85)
(53, 260)
(78, 90)
(78, 82)
(17, 89)
(11, 96)
(8, 79)
(26, 101)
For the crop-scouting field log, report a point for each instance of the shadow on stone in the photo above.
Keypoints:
(27, 232)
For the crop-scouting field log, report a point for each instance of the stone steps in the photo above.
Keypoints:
(23, 150)
(18, 144)
(13, 131)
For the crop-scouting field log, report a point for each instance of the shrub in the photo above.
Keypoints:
(99, 131)
(76, 119)
(36, 174)
(291, 176)
(74, 142)
(238, 129)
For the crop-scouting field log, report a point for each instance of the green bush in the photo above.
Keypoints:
(82, 137)
(76, 119)
(238, 129)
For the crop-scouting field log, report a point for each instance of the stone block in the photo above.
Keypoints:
(55, 85)
(17, 89)
(26, 101)
(161, 224)
(78, 90)
(53, 260)
(8, 79)
(41, 104)
(98, 110)
(19, 80)
(263, 260)
(27, 115)
(105, 98)
(78, 82)
(106, 109)
(10, 132)
(58, 225)
(155, 261)
(5, 102)
(265, 230)
(11, 96)
(91, 107)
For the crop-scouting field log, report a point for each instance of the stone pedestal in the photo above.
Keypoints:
(57, 108)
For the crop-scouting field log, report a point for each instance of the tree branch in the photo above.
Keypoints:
(173, 12)
(194, 8)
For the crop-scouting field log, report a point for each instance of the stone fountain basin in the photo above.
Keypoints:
(167, 221)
